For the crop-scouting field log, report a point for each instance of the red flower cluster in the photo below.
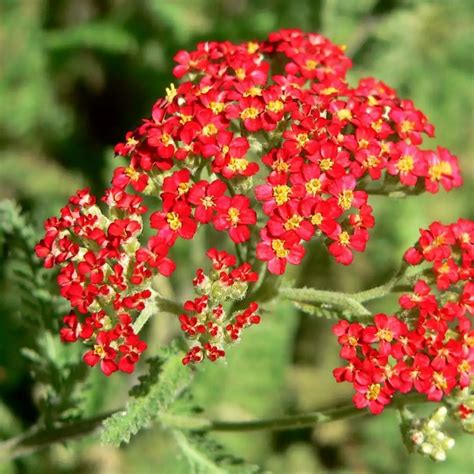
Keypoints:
(205, 319)
(105, 275)
(429, 346)
(277, 112)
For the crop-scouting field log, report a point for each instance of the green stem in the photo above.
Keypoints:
(156, 304)
(36, 438)
(382, 290)
(339, 301)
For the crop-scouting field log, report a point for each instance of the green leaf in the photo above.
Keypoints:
(205, 456)
(103, 36)
(166, 381)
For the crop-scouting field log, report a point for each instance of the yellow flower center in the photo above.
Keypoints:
(464, 366)
(183, 188)
(372, 100)
(280, 165)
(217, 107)
(209, 130)
(385, 335)
(371, 161)
(281, 193)
(238, 164)
(363, 143)
(278, 247)
(385, 146)
(171, 93)
(406, 126)
(207, 201)
(234, 215)
(438, 240)
(132, 141)
(437, 170)
(377, 126)
(344, 200)
(302, 139)
(440, 381)
(100, 351)
(173, 220)
(344, 114)
(275, 106)
(293, 222)
(443, 268)
(183, 119)
(326, 164)
(373, 391)
(253, 91)
(405, 164)
(344, 238)
(252, 47)
(204, 90)
(313, 186)
(165, 138)
(317, 219)
(132, 173)
(352, 341)
(311, 64)
(240, 73)
(329, 91)
(249, 113)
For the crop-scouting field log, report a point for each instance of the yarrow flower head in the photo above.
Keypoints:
(269, 157)
(428, 346)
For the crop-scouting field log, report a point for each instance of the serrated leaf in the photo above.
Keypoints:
(205, 456)
(166, 381)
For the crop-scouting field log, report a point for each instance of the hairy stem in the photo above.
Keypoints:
(38, 438)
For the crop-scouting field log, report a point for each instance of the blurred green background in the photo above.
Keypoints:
(75, 75)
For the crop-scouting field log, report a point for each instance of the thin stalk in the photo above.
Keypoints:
(38, 438)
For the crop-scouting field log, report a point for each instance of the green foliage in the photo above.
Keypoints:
(164, 384)
(206, 456)
(102, 36)
(56, 368)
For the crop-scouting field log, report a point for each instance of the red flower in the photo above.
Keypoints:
(277, 192)
(235, 215)
(386, 329)
(204, 196)
(102, 353)
(417, 375)
(408, 163)
(345, 242)
(370, 390)
(176, 188)
(277, 251)
(125, 176)
(173, 223)
(288, 218)
(349, 336)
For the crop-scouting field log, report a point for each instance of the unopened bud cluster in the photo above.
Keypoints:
(428, 438)
(206, 320)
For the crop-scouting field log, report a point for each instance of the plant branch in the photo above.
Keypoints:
(38, 438)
